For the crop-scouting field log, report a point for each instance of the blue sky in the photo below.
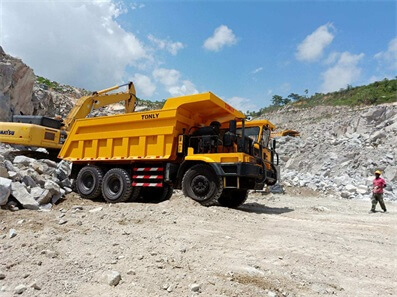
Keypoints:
(243, 51)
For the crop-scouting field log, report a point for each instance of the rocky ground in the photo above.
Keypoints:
(31, 183)
(297, 244)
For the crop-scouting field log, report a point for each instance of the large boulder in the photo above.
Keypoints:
(23, 196)
(23, 160)
(5, 190)
(390, 174)
(63, 170)
(3, 170)
(375, 113)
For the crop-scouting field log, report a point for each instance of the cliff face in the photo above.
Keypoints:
(16, 87)
(339, 148)
(21, 92)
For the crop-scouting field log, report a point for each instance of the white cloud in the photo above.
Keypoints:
(257, 70)
(165, 44)
(242, 104)
(223, 36)
(186, 88)
(134, 6)
(79, 43)
(312, 47)
(332, 58)
(168, 77)
(344, 72)
(144, 85)
(389, 57)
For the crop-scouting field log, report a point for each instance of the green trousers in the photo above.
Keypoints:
(378, 197)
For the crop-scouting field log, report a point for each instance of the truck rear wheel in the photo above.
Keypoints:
(159, 194)
(117, 185)
(233, 198)
(202, 184)
(89, 181)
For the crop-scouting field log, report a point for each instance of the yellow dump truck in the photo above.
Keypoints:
(196, 143)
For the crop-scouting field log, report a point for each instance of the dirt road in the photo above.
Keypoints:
(274, 245)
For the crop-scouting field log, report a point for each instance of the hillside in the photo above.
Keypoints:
(378, 92)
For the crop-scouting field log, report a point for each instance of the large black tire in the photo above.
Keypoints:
(117, 185)
(233, 198)
(89, 182)
(202, 185)
(156, 195)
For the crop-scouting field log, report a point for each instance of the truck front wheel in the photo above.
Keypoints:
(202, 184)
(233, 198)
(117, 185)
(89, 181)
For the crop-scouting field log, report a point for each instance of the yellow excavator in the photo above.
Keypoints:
(49, 133)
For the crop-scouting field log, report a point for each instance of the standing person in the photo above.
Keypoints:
(377, 192)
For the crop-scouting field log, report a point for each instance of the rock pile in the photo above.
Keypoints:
(339, 148)
(32, 184)
(51, 103)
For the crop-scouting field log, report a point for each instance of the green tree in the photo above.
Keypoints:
(277, 100)
(294, 96)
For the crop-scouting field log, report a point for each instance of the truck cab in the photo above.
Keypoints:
(261, 132)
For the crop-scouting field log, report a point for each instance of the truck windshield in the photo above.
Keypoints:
(251, 132)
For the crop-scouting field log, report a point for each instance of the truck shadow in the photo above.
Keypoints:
(262, 209)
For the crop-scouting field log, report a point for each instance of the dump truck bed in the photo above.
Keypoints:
(149, 135)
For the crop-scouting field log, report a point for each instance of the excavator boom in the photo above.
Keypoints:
(98, 99)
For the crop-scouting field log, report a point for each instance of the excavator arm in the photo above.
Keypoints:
(98, 99)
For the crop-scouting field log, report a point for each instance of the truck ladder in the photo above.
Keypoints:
(148, 176)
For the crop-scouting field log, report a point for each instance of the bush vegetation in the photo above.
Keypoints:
(384, 91)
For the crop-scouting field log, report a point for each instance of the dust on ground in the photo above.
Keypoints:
(297, 244)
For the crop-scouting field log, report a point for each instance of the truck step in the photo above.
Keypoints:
(145, 176)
